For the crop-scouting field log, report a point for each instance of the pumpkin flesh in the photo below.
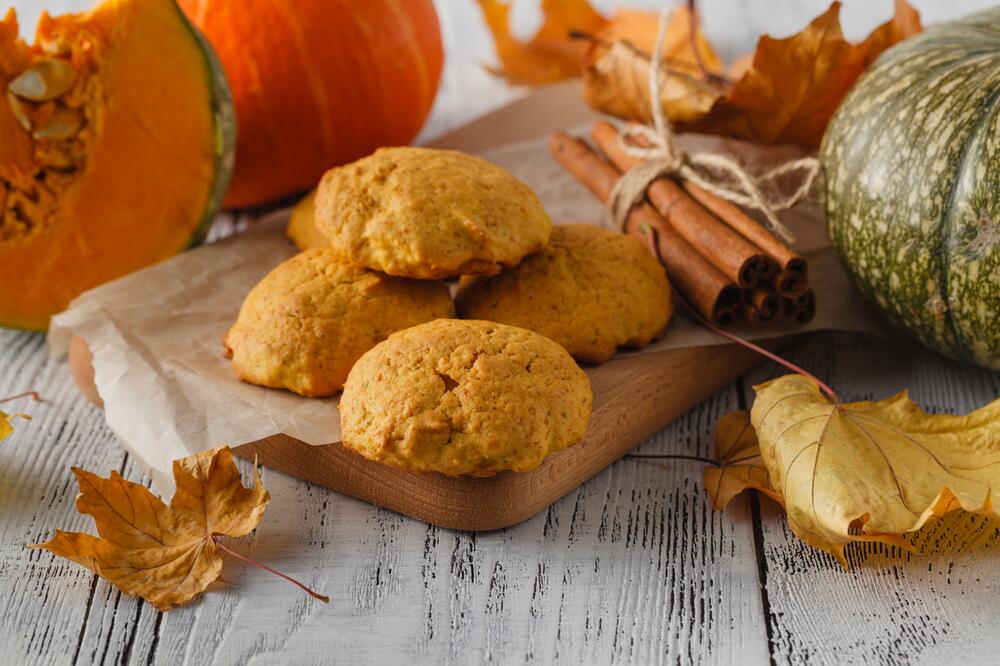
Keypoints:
(139, 179)
(911, 186)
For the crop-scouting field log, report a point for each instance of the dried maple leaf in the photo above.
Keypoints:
(551, 55)
(6, 420)
(785, 92)
(6, 427)
(165, 554)
(794, 85)
(616, 68)
(740, 465)
(869, 471)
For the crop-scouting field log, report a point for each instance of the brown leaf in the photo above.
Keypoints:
(869, 471)
(794, 85)
(165, 554)
(740, 465)
(551, 55)
(616, 68)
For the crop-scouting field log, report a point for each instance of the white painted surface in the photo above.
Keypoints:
(632, 567)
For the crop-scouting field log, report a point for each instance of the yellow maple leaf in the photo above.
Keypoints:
(165, 554)
(868, 471)
(6, 426)
(740, 465)
(6, 420)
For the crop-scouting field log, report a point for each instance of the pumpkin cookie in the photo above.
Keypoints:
(430, 214)
(305, 324)
(464, 397)
(591, 290)
(301, 228)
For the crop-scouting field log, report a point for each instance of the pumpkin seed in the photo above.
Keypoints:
(19, 112)
(63, 124)
(43, 81)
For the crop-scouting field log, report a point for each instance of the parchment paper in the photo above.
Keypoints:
(156, 335)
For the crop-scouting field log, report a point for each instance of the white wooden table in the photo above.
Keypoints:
(634, 566)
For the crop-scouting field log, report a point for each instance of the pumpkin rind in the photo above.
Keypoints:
(225, 132)
(154, 155)
(911, 186)
(318, 83)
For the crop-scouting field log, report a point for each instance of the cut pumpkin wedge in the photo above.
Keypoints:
(116, 146)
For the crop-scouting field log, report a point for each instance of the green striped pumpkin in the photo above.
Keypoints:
(911, 186)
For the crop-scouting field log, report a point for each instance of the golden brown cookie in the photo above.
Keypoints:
(305, 324)
(430, 214)
(464, 397)
(301, 227)
(591, 290)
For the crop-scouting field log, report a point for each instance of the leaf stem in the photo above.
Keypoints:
(763, 352)
(32, 394)
(315, 595)
(671, 456)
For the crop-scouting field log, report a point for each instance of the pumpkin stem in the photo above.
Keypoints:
(315, 595)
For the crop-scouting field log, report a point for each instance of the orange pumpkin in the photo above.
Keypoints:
(317, 83)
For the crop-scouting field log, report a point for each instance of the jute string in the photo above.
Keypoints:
(713, 172)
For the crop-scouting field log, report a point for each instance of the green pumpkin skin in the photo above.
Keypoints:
(910, 185)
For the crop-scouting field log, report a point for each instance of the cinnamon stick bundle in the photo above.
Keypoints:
(738, 259)
(734, 241)
(700, 282)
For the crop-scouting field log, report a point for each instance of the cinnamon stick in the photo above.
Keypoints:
(700, 283)
(803, 308)
(790, 283)
(749, 228)
(738, 259)
(766, 302)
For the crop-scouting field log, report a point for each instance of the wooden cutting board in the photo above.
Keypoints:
(634, 397)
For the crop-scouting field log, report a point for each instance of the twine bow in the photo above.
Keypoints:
(719, 174)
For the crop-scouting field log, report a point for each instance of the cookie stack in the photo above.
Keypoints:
(369, 313)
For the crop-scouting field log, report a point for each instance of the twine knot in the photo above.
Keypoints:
(719, 174)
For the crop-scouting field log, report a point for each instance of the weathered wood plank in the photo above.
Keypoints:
(46, 601)
(890, 607)
(634, 566)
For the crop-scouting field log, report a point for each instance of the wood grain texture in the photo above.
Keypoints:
(634, 397)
